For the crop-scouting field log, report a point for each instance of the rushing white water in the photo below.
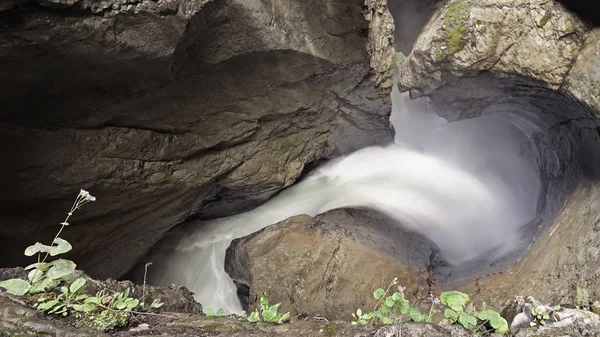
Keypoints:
(467, 186)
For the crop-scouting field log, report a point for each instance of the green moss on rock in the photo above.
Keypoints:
(108, 320)
(545, 19)
(455, 22)
(330, 330)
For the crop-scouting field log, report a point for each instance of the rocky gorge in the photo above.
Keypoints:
(179, 111)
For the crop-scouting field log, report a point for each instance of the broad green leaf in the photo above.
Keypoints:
(43, 285)
(15, 286)
(41, 266)
(60, 268)
(125, 294)
(93, 300)
(386, 320)
(269, 314)
(86, 307)
(378, 293)
(415, 314)
(378, 314)
(120, 305)
(396, 296)
(37, 248)
(404, 306)
(264, 302)
(385, 309)
(451, 314)
(447, 294)
(77, 284)
(389, 301)
(133, 302)
(467, 320)
(58, 309)
(454, 299)
(285, 317)
(60, 246)
(209, 312)
(253, 318)
(220, 312)
(358, 312)
(81, 297)
(35, 273)
(47, 305)
(156, 303)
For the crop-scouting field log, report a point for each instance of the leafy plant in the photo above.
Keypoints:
(268, 313)
(156, 303)
(47, 275)
(540, 315)
(69, 297)
(392, 308)
(459, 312)
(211, 312)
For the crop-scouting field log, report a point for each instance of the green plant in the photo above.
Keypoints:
(211, 312)
(47, 275)
(69, 297)
(460, 311)
(268, 313)
(455, 22)
(393, 308)
(540, 315)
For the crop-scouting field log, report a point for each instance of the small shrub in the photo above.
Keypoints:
(393, 308)
(268, 313)
(462, 312)
(210, 312)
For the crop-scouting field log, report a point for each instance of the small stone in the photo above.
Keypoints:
(141, 327)
(521, 320)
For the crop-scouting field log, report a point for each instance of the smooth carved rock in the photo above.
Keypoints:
(328, 265)
(168, 109)
(535, 64)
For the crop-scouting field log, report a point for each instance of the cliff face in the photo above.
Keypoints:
(537, 65)
(172, 108)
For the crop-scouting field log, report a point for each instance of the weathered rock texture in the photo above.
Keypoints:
(327, 264)
(168, 109)
(537, 65)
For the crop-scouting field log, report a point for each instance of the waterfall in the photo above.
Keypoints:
(468, 186)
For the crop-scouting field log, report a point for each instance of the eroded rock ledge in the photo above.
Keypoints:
(537, 65)
(171, 109)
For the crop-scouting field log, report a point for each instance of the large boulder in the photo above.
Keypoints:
(169, 109)
(537, 65)
(328, 265)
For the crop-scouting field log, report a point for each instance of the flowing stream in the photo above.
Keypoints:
(468, 186)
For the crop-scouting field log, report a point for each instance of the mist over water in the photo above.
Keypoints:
(468, 186)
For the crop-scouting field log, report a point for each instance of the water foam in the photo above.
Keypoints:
(467, 186)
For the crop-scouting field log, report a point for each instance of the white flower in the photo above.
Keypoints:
(401, 290)
(86, 195)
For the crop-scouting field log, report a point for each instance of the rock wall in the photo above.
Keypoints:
(536, 64)
(177, 108)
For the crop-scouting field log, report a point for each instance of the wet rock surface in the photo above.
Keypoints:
(328, 265)
(169, 109)
(532, 64)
